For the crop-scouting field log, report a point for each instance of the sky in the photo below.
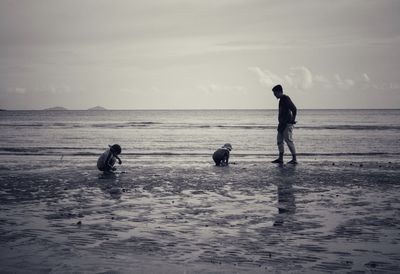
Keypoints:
(183, 54)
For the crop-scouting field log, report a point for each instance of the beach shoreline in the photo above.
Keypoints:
(193, 217)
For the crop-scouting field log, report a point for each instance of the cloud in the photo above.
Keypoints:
(266, 77)
(46, 90)
(297, 77)
(301, 78)
(215, 88)
(323, 81)
(366, 78)
(17, 90)
(343, 83)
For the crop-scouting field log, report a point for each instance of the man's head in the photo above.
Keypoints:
(278, 91)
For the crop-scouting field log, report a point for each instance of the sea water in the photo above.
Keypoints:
(194, 134)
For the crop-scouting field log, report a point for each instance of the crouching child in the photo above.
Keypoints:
(107, 160)
(221, 155)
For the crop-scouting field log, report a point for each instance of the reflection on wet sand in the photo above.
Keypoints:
(111, 184)
(286, 200)
(286, 203)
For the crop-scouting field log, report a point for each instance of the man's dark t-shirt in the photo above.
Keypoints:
(287, 112)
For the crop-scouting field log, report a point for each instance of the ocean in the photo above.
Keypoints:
(193, 135)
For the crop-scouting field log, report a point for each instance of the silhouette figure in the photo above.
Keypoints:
(221, 155)
(287, 119)
(107, 160)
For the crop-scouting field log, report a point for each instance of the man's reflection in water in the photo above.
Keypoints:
(286, 199)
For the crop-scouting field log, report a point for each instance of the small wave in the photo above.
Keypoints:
(92, 151)
(117, 125)
(45, 125)
(109, 125)
(274, 127)
(246, 127)
(22, 125)
(148, 124)
(35, 150)
(352, 127)
(322, 127)
(178, 126)
(349, 154)
(143, 123)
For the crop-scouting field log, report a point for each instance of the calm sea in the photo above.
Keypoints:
(185, 134)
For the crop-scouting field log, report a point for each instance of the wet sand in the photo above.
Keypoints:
(172, 216)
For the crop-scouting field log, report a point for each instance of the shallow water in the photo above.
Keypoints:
(319, 133)
(171, 216)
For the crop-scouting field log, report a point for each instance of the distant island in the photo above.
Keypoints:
(56, 108)
(63, 108)
(97, 108)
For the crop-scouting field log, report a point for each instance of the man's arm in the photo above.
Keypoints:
(292, 108)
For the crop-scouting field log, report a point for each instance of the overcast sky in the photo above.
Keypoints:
(199, 54)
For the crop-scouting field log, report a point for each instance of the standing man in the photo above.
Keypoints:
(287, 118)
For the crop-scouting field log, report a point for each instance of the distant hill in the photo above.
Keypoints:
(56, 108)
(97, 108)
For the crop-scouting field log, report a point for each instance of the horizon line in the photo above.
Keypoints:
(185, 109)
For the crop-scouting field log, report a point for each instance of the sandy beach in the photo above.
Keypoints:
(171, 216)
